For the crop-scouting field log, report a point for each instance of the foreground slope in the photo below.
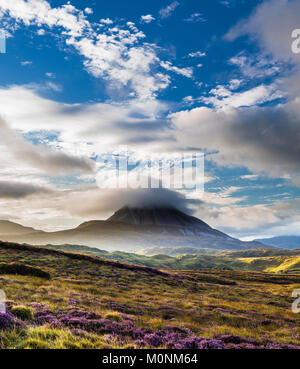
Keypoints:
(90, 302)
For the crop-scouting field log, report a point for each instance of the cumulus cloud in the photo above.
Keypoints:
(263, 139)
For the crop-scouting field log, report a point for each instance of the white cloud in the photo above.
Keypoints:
(147, 18)
(88, 11)
(167, 12)
(262, 139)
(106, 125)
(223, 97)
(106, 21)
(188, 100)
(197, 54)
(225, 3)
(251, 177)
(25, 63)
(116, 54)
(256, 67)
(54, 86)
(39, 12)
(186, 72)
(235, 84)
(50, 75)
(271, 25)
(49, 161)
(249, 136)
(195, 18)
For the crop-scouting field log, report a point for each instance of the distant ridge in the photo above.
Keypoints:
(283, 242)
(10, 228)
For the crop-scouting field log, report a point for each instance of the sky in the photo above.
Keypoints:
(80, 78)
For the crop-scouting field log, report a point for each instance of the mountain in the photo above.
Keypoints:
(10, 228)
(157, 216)
(135, 229)
(172, 218)
(283, 242)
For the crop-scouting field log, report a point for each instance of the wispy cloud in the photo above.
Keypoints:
(167, 12)
(26, 63)
(195, 18)
(186, 72)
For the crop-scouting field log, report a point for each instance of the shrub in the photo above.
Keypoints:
(8, 321)
(22, 312)
(23, 269)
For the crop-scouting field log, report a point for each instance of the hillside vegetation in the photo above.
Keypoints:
(263, 260)
(90, 302)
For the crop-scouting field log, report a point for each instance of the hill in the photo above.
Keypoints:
(10, 228)
(88, 302)
(264, 260)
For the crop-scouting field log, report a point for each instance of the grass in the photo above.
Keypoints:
(117, 301)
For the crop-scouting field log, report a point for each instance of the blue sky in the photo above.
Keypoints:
(80, 78)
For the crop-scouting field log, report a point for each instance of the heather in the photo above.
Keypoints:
(91, 303)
